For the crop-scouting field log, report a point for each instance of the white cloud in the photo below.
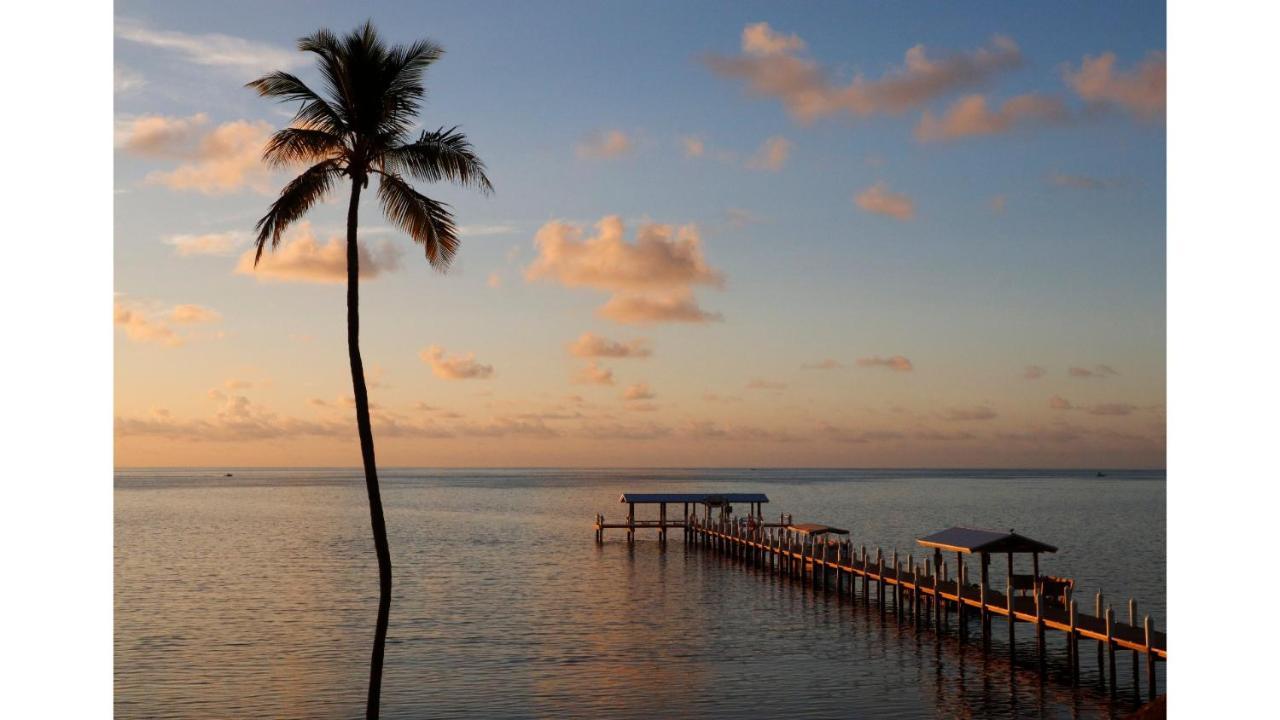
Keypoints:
(221, 243)
(235, 54)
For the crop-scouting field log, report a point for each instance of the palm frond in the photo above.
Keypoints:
(440, 155)
(294, 145)
(315, 111)
(295, 200)
(427, 221)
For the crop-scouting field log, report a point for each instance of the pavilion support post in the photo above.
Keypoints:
(1133, 622)
(1073, 645)
(866, 578)
(960, 606)
(1097, 612)
(946, 610)
(897, 587)
(662, 523)
(937, 591)
(1148, 632)
(880, 579)
(984, 577)
(1039, 596)
(1008, 600)
(631, 522)
(1111, 649)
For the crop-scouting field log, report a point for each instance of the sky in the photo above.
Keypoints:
(749, 234)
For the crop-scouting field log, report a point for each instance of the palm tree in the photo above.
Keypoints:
(361, 127)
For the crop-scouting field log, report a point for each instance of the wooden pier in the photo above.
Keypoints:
(923, 592)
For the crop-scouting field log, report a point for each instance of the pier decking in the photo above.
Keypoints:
(923, 592)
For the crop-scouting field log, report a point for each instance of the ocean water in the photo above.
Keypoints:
(256, 596)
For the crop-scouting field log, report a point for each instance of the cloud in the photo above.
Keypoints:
(739, 218)
(880, 200)
(1079, 182)
(494, 280)
(970, 116)
(1098, 371)
(212, 49)
(127, 80)
(717, 398)
(708, 430)
(857, 437)
(763, 384)
(693, 146)
(1112, 409)
(1033, 372)
(1140, 91)
(638, 391)
(138, 327)
(772, 155)
(594, 374)
(605, 144)
(966, 414)
(825, 364)
(192, 314)
(897, 363)
(1057, 402)
(223, 243)
(303, 258)
(762, 41)
(458, 367)
(213, 161)
(650, 309)
(161, 136)
(590, 345)
(651, 279)
(485, 230)
(142, 323)
(771, 67)
(998, 203)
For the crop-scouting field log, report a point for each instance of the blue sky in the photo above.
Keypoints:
(1042, 245)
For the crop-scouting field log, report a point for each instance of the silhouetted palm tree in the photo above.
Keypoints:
(360, 127)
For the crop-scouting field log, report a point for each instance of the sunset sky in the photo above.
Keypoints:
(820, 234)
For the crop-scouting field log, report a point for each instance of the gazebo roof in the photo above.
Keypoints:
(704, 498)
(816, 529)
(972, 540)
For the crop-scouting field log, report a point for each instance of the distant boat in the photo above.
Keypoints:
(1100, 474)
(227, 475)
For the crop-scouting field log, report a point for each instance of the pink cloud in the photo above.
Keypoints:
(590, 345)
(897, 363)
(771, 66)
(878, 199)
(605, 145)
(594, 374)
(303, 258)
(1140, 91)
(213, 161)
(970, 116)
(458, 367)
(639, 391)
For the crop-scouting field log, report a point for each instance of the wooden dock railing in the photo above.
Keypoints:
(925, 592)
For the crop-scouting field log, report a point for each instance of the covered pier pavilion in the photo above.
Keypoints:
(723, 502)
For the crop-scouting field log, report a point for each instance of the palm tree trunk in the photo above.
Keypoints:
(366, 453)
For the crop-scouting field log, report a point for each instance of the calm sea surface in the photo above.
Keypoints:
(256, 596)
